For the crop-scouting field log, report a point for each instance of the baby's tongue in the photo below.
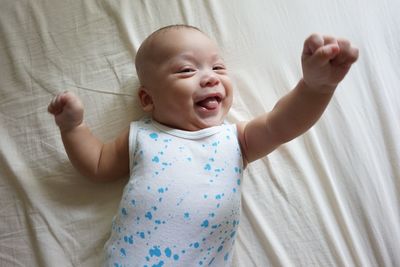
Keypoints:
(209, 103)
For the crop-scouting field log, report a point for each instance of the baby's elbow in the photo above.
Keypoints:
(108, 174)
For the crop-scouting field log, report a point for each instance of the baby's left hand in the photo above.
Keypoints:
(326, 61)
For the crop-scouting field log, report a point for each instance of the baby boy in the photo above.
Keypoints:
(181, 206)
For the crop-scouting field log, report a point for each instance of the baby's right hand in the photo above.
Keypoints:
(67, 109)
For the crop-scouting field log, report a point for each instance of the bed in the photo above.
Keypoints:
(328, 198)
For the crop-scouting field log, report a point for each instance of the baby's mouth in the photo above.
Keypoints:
(209, 103)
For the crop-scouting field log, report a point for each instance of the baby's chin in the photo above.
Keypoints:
(194, 125)
(204, 124)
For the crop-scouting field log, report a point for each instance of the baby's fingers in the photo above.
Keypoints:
(53, 107)
(319, 50)
(312, 43)
(348, 54)
(326, 53)
(57, 104)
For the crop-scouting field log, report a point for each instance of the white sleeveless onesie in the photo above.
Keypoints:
(181, 206)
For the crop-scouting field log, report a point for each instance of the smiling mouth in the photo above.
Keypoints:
(210, 103)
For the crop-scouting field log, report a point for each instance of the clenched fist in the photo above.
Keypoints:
(67, 109)
(326, 61)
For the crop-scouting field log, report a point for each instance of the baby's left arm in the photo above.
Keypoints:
(325, 62)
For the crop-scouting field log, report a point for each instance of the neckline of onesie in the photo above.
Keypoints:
(199, 134)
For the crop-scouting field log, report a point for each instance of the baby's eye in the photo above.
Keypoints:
(219, 67)
(186, 70)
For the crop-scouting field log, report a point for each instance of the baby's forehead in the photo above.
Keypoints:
(181, 43)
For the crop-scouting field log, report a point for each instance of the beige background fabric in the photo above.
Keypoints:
(328, 198)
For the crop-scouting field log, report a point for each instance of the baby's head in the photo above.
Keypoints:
(184, 83)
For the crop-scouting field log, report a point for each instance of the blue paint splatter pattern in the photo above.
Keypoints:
(181, 206)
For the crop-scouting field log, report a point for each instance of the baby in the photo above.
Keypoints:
(181, 206)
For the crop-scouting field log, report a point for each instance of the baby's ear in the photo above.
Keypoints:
(145, 99)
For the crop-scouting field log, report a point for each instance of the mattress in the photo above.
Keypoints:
(331, 197)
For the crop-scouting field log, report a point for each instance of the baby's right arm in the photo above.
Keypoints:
(90, 156)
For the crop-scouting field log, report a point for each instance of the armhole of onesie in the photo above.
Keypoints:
(133, 130)
(236, 131)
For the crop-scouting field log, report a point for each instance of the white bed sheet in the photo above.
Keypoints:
(328, 198)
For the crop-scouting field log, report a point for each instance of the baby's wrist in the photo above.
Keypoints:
(321, 89)
(69, 127)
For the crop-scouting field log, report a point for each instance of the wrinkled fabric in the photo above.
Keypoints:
(327, 198)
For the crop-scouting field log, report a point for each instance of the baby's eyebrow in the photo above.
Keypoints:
(184, 57)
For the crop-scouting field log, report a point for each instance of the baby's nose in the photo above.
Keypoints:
(210, 80)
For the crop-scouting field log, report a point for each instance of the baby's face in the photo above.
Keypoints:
(188, 84)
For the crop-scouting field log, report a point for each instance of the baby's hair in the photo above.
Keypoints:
(143, 53)
(174, 27)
